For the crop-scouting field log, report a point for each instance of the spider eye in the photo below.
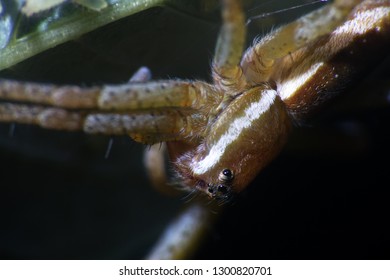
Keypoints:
(226, 175)
(222, 189)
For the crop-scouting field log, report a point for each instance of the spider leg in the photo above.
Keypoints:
(184, 234)
(155, 164)
(259, 61)
(329, 64)
(60, 118)
(230, 45)
(150, 112)
(52, 118)
(130, 96)
(148, 128)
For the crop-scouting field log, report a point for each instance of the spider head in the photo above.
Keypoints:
(233, 172)
(222, 183)
(244, 138)
(216, 185)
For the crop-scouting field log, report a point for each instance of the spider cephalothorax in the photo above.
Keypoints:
(221, 134)
(241, 145)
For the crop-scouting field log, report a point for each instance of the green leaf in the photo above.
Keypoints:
(23, 36)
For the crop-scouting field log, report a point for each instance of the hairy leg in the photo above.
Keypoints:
(259, 62)
(230, 46)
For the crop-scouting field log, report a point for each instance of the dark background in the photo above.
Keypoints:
(325, 197)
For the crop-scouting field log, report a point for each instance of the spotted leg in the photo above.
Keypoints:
(260, 61)
(315, 73)
(230, 45)
(149, 112)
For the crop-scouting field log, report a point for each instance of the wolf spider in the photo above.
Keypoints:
(219, 135)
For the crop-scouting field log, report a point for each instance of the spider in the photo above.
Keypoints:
(201, 122)
(220, 135)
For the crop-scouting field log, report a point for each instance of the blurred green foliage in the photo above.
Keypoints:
(23, 36)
